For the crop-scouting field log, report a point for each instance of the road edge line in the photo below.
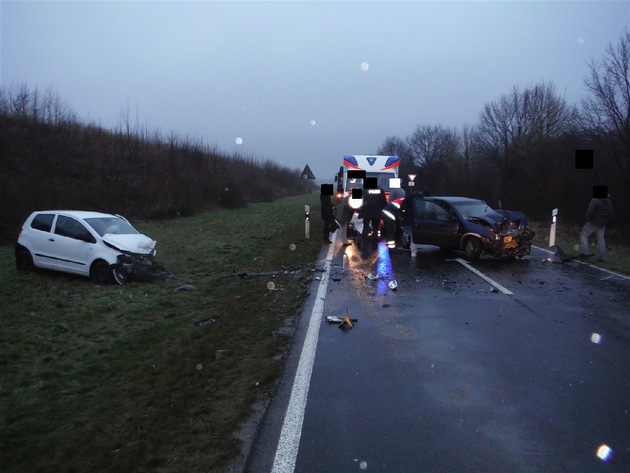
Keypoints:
(614, 273)
(289, 442)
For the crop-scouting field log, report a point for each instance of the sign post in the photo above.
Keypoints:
(411, 179)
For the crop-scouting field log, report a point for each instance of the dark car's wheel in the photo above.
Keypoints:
(24, 261)
(472, 248)
(101, 272)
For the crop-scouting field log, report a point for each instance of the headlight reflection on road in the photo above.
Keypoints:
(383, 268)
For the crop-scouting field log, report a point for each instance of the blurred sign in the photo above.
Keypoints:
(307, 173)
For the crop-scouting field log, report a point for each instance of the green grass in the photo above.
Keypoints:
(568, 238)
(119, 378)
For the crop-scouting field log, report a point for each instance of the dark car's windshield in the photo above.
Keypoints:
(111, 225)
(470, 208)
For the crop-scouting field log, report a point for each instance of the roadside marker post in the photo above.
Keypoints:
(552, 230)
(307, 222)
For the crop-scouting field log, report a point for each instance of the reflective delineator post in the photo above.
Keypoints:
(552, 231)
(307, 222)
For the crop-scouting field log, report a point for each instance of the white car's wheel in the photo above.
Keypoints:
(101, 272)
(24, 261)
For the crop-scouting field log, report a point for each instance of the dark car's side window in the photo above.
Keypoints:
(70, 227)
(43, 222)
(425, 210)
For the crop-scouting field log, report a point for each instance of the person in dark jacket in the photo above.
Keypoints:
(599, 213)
(328, 214)
(343, 215)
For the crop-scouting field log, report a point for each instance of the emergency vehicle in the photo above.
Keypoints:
(354, 166)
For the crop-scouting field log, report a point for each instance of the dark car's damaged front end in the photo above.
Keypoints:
(505, 233)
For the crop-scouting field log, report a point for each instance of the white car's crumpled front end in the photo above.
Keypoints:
(137, 243)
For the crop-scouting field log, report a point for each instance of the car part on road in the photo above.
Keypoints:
(341, 320)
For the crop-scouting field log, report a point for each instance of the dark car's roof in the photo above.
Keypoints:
(451, 199)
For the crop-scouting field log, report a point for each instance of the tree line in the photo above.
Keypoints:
(521, 154)
(49, 158)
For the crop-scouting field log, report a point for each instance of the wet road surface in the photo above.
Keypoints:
(450, 373)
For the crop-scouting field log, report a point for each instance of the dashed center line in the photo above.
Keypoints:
(484, 277)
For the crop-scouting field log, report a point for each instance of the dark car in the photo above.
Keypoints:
(461, 223)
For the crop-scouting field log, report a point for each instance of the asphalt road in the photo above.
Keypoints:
(497, 366)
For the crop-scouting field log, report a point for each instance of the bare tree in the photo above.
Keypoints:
(430, 145)
(515, 129)
(607, 109)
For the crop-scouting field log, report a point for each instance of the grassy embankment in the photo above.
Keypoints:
(568, 238)
(113, 378)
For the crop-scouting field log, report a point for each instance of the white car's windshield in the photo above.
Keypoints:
(111, 225)
(472, 208)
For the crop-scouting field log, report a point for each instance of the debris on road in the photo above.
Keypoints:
(186, 287)
(204, 322)
(559, 257)
(342, 321)
(393, 284)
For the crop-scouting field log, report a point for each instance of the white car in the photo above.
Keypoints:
(94, 244)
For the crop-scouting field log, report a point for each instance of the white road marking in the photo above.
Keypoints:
(613, 273)
(287, 450)
(484, 277)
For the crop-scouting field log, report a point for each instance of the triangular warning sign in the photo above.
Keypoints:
(307, 173)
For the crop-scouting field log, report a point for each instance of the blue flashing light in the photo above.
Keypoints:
(350, 161)
(391, 162)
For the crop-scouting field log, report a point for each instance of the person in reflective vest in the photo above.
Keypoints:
(374, 201)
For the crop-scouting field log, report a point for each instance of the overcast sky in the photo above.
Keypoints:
(299, 82)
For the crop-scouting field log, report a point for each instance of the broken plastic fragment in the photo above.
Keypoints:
(187, 287)
(203, 323)
(393, 284)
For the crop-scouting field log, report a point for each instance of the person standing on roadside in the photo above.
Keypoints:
(395, 190)
(328, 214)
(599, 213)
(343, 215)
